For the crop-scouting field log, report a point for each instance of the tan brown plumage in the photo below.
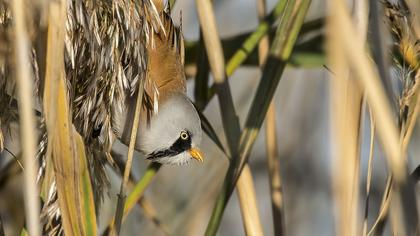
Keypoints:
(165, 71)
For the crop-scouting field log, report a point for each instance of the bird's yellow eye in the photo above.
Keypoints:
(184, 135)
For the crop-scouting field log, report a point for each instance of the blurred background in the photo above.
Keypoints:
(181, 198)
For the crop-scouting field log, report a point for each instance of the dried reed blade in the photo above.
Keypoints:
(26, 118)
(70, 169)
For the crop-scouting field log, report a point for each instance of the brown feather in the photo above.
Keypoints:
(165, 68)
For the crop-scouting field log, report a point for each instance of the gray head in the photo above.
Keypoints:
(173, 134)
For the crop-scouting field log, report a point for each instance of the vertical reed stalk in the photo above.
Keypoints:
(27, 120)
(346, 107)
(122, 195)
(273, 161)
(404, 215)
(248, 203)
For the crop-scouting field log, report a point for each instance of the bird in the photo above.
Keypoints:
(169, 127)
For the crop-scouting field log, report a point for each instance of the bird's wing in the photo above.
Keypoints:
(165, 72)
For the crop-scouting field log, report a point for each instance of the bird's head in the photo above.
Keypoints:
(173, 134)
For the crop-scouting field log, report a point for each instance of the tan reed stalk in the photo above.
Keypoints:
(376, 98)
(273, 161)
(381, 110)
(248, 203)
(27, 120)
(211, 39)
(122, 195)
(346, 107)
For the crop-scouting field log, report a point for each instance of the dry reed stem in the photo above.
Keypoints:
(376, 98)
(361, 18)
(369, 173)
(273, 165)
(273, 162)
(346, 107)
(211, 39)
(27, 120)
(121, 197)
(248, 203)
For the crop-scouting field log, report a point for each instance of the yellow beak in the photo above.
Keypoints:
(196, 154)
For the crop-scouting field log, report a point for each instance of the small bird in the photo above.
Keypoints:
(170, 128)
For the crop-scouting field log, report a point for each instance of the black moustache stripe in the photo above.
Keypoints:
(179, 146)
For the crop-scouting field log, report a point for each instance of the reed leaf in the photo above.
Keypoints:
(70, 169)
(86, 193)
